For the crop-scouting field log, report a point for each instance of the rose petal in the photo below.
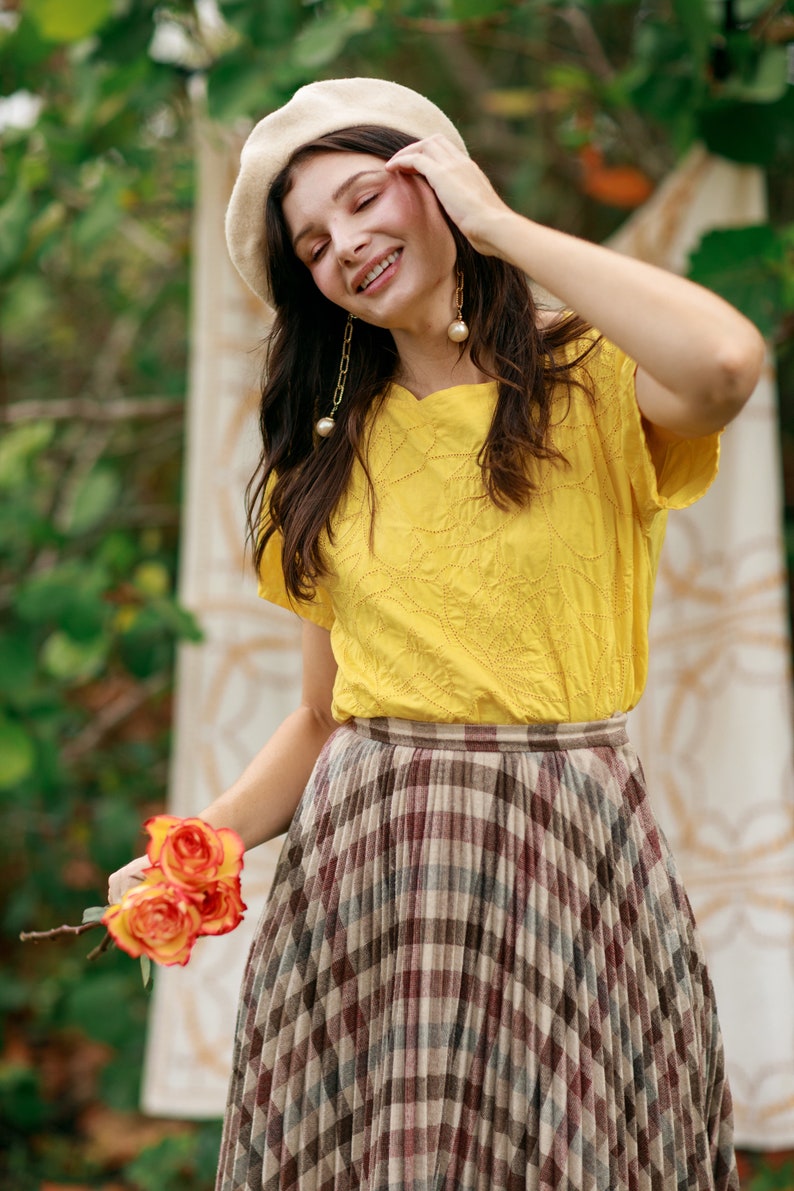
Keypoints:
(158, 828)
(233, 849)
(221, 908)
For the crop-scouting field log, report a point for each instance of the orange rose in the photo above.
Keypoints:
(192, 854)
(155, 919)
(221, 907)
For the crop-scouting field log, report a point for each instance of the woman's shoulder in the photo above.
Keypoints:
(568, 339)
(546, 318)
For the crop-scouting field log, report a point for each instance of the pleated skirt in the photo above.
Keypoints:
(477, 970)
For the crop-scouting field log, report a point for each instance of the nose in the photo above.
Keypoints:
(349, 240)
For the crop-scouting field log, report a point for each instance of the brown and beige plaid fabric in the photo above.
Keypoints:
(477, 969)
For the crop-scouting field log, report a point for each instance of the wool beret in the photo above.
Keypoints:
(313, 111)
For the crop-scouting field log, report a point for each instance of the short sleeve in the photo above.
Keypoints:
(669, 475)
(271, 587)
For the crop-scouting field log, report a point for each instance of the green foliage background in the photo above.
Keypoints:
(96, 190)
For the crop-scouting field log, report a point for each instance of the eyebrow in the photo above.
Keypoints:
(339, 193)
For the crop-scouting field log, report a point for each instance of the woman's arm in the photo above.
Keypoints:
(261, 803)
(699, 359)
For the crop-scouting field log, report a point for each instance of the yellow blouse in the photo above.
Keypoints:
(456, 611)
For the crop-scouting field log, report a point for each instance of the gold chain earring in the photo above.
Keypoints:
(324, 426)
(457, 330)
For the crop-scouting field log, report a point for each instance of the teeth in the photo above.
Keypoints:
(377, 270)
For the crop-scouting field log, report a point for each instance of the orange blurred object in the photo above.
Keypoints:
(622, 186)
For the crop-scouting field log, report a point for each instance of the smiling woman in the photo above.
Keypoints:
(477, 967)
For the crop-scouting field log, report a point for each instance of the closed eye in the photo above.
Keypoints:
(317, 252)
(366, 201)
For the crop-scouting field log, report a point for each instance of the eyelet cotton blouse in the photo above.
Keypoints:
(454, 610)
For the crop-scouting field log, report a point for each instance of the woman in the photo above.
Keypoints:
(477, 967)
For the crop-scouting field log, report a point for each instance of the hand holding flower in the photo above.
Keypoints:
(191, 888)
(187, 885)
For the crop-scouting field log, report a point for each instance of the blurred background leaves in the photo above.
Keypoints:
(577, 110)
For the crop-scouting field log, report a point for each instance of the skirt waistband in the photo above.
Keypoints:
(494, 738)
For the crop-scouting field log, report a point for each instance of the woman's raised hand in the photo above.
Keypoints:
(124, 878)
(460, 186)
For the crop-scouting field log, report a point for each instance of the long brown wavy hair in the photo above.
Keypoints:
(299, 480)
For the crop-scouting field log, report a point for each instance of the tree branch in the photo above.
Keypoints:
(38, 936)
(114, 714)
(87, 410)
(102, 947)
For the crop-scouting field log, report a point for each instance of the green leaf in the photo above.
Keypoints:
(178, 620)
(69, 595)
(322, 40)
(25, 306)
(272, 24)
(17, 663)
(751, 133)
(698, 26)
(745, 266)
(146, 972)
(101, 217)
(662, 81)
(94, 914)
(21, 54)
(16, 214)
(18, 446)
(17, 754)
(95, 497)
(96, 1005)
(162, 1167)
(235, 87)
(116, 833)
(72, 661)
(770, 80)
(117, 551)
(85, 616)
(68, 20)
(475, 10)
(146, 648)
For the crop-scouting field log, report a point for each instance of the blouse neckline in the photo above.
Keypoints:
(399, 390)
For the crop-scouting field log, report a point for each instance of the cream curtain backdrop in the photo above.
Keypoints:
(714, 727)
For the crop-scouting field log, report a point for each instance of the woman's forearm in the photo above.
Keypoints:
(686, 338)
(261, 802)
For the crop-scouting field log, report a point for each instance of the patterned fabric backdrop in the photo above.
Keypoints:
(714, 727)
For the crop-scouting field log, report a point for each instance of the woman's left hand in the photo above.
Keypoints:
(459, 184)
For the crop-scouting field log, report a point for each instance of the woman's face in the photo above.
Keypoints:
(376, 243)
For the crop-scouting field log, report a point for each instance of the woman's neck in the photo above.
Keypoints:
(429, 364)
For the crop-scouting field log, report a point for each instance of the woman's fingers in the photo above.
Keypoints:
(124, 878)
(459, 184)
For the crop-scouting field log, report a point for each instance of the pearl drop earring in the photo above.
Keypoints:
(457, 330)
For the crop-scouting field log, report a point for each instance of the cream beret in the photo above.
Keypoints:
(313, 111)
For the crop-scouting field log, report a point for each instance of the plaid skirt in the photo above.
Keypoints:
(477, 971)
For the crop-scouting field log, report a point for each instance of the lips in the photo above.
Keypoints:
(372, 270)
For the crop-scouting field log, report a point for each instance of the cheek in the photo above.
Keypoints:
(325, 276)
(430, 218)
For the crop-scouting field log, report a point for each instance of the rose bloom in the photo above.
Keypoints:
(221, 907)
(155, 919)
(192, 854)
